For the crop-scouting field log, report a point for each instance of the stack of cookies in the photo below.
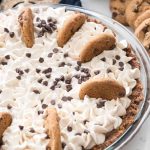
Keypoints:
(136, 14)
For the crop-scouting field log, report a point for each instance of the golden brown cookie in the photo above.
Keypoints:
(5, 121)
(118, 8)
(104, 88)
(136, 8)
(145, 15)
(142, 29)
(26, 25)
(70, 26)
(97, 45)
(53, 129)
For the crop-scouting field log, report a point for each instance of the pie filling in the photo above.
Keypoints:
(33, 79)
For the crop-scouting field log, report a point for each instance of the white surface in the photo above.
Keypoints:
(142, 140)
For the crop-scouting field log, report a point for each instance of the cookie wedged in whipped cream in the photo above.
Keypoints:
(45, 75)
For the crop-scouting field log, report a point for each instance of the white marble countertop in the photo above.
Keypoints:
(142, 138)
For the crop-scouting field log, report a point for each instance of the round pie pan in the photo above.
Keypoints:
(139, 50)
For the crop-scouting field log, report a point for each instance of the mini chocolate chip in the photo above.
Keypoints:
(53, 102)
(18, 77)
(38, 19)
(55, 83)
(77, 68)
(45, 83)
(55, 50)
(59, 105)
(121, 69)
(79, 134)
(109, 70)
(68, 80)
(36, 91)
(62, 64)
(68, 87)
(11, 34)
(77, 76)
(38, 70)
(145, 29)
(48, 28)
(86, 131)
(49, 19)
(0, 91)
(19, 71)
(85, 121)
(135, 9)
(26, 70)
(40, 80)
(9, 106)
(69, 128)
(39, 25)
(117, 57)
(62, 78)
(103, 59)
(85, 70)
(69, 98)
(43, 21)
(52, 87)
(50, 55)
(78, 63)
(40, 34)
(63, 145)
(64, 98)
(32, 130)
(97, 72)
(44, 106)
(66, 55)
(28, 55)
(4, 63)
(7, 56)
(48, 70)
(21, 127)
(114, 14)
(41, 60)
(57, 79)
(121, 64)
(114, 61)
(42, 100)
(48, 76)
(100, 104)
(6, 30)
(40, 112)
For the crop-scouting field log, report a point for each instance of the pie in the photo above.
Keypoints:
(67, 81)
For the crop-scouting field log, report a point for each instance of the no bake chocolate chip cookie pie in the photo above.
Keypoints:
(66, 81)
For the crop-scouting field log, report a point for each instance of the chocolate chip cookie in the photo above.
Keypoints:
(134, 9)
(104, 88)
(118, 8)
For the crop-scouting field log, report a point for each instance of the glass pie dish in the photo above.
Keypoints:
(143, 58)
(144, 108)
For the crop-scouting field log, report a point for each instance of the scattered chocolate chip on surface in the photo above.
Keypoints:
(11, 34)
(28, 55)
(41, 60)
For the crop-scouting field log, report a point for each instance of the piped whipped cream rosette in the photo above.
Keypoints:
(42, 80)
